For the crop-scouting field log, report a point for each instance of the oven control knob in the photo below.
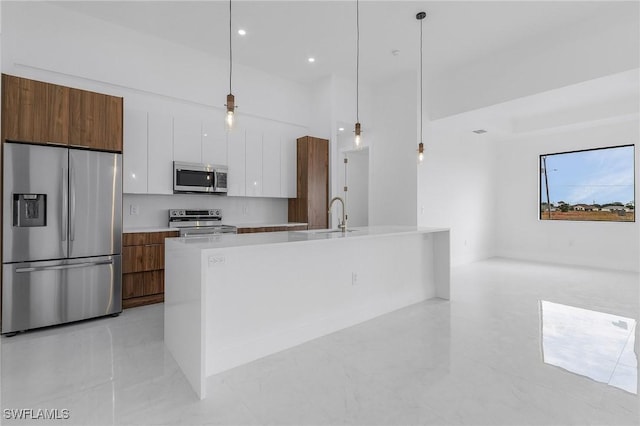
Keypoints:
(217, 213)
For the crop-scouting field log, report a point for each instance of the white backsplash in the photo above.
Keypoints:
(153, 209)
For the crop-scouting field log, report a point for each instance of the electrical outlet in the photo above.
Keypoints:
(134, 209)
(354, 278)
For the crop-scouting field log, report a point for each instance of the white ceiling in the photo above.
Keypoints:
(282, 34)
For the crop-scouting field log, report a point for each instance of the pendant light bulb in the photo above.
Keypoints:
(230, 117)
(420, 152)
(358, 139)
(229, 120)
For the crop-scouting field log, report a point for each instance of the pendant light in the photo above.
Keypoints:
(420, 17)
(231, 103)
(358, 139)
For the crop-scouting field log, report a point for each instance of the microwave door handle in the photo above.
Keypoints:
(65, 204)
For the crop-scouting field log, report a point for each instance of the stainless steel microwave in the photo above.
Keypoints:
(195, 177)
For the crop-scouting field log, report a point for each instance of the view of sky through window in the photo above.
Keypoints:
(595, 184)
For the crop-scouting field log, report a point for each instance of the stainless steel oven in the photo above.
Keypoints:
(195, 177)
(199, 222)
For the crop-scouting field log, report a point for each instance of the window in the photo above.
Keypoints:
(594, 184)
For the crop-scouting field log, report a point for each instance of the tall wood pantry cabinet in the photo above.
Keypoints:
(312, 199)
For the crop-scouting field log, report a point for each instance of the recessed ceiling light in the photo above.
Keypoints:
(242, 32)
(311, 59)
(341, 129)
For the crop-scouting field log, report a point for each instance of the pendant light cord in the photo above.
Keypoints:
(357, 61)
(230, 49)
(421, 119)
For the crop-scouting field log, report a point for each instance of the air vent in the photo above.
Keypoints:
(479, 131)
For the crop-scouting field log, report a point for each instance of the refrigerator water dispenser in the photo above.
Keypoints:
(29, 210)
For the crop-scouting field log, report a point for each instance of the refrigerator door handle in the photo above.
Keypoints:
(65, 204)
(58, 267)
(72, 195)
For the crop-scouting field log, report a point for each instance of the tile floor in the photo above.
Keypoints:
(476, 360)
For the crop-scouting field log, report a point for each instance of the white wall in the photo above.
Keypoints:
(358, 187)
(153, 209)
(321, 108)
(467, 179)
(456, 188)
(393, 152)
(520, 234)
(50, 43)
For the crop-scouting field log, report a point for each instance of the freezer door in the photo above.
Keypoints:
(39, 294)
(95, 203)
(34, 202)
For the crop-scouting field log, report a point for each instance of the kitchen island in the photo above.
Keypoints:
(231, 299)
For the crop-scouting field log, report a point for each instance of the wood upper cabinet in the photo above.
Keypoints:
(95, 120)
(312, 201)
(33, 111)
(38, 112)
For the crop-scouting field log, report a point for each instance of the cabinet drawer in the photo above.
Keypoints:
(142, 258)
(142, 238)
(158, 237)
(140, 284)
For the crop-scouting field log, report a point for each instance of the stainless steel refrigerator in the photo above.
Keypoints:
(61, 235)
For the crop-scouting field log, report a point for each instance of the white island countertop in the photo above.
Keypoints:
(221, 241)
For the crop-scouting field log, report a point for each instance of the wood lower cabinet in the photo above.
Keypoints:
(312, 201)
(45, 113)
(272, 229)
(143, 268)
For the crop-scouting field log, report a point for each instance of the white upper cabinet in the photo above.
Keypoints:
(288, 162)
(187, 139)
(160, 175)
(253, 158)
(134, 158)
(271, 159)
(260, 154)
(214, 139)
(236, 156)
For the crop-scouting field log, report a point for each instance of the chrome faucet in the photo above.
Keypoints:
(342, 225)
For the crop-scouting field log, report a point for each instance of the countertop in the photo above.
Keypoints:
(267, 238)
(237, 225)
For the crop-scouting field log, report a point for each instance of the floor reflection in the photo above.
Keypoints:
(594, 344)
